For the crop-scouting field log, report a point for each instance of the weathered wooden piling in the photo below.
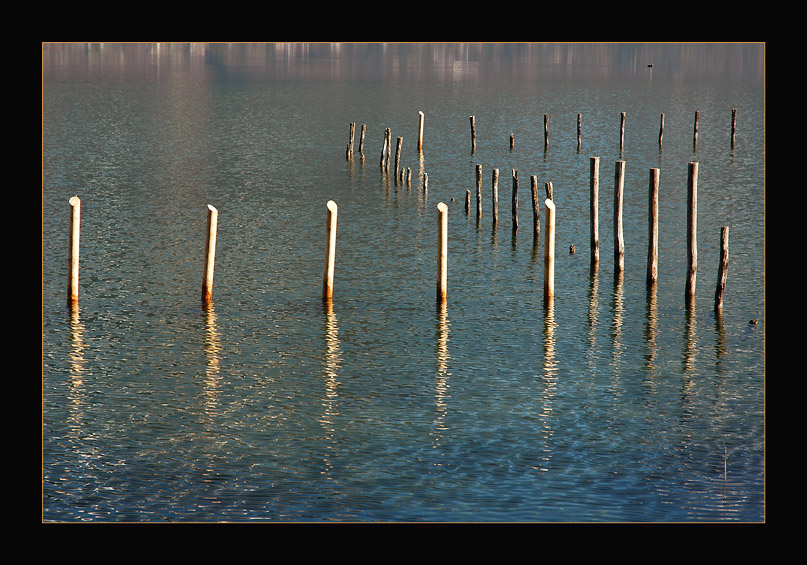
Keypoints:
(478, 192)
(622, 131)
(495, 196)
(515, 201)
(594, 196)
(695, 130)
(385, 150)
(733, 124)
(349, 150)
(361, 140)
(546, 131)
(723, 268)
(512, 141)
(692, 229)
(210, 254)
(73, 250)
(579, 130)
(550, 193)
(467, 202)
(619, 243)
(549, 251)
(661, 131)
(421, 118)
(330, 250)
(473, 134)
(536, 209)
(652, 217)
(398, 156)
(442, 251)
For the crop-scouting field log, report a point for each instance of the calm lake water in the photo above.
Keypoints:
(614, 403)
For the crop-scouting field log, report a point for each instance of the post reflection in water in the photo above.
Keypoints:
(619, 314)
(651, 328)
(593, 312)
(442, 375)
(690, 345)
(77, 363)
(549, 377)
(333, 361)
(212, 361)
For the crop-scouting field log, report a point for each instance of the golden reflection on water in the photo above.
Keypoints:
(549, 377)
(212, 358)
(442, 374)
(77, 392)
(618, 306)
(651, 328)
(333, 361)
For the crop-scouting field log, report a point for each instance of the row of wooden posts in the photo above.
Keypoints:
(442, 222)
(442, 236)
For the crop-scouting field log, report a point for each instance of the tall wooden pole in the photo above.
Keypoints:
(733, 124)
(695, 131)
(442, 251)
(398, 156)
(692, 229)
(549, 251)
(622, 132)
(652, 215)
(210, 254)
(594, 196)
(619, 243)
(536, 209)
(579, 130)
(478, 192)
(473, 134)
(723, 268)
(361, 140)
(73, 250)
(330, 251)
(515, 200)
(495, 196)
(661, 130)
(546, 131)
(420, 130)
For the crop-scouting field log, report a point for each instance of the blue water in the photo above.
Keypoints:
(612, 403)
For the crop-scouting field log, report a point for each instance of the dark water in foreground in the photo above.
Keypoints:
(613, 404)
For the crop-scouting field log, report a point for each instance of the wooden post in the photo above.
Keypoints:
(692, 229)
(579, 130)
(594, 196)
(73, 250)
(619, 243)
(420, 130)
(536, 209)
(361, 140)
(467, 202)
(330, 251)
(512, 142)
(349, 151)
(515, 201)
(210, 254)
(733, 124)
(442, 251)
(495, 191)
(549, 192)
(661, 130)
(546, 131)
(549, 251)
(622, 132)
(384, 149)
(473, 134)
(695, 131)
(722, 272)
(652, 216)
(478, 192)
(398, 156)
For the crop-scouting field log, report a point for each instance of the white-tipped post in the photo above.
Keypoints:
(330, 251)
(75, 231)
(442, 251)
(210, 254)
(549, 252)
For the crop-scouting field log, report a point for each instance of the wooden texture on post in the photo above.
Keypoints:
(73, 250)
(473, 134)
(546, 131)
(550, 193)
(330, 251)
(467, 202)
(733, 124)
(549, 251)
(536, 209)
(420, 130)
(478, 192)
(398, 156)
(512, 141)
(723, 268)
(619, 243)
(695, 131)
(579, 130)
(495, 196)
(515, 200)
(361, 140)
(692, 228)
(385, 150)
(661, 130)
(622, 131)
(652, 218)
(594, 196)
(210, 254)
(349, 151)
(442, 252)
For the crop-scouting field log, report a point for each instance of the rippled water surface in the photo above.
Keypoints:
(612, 403)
